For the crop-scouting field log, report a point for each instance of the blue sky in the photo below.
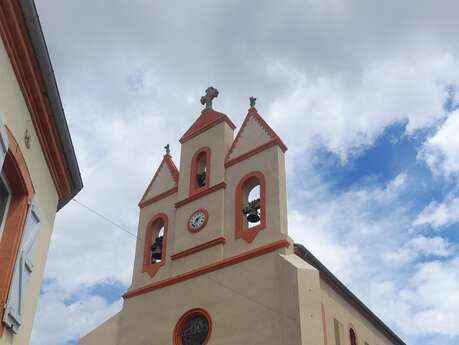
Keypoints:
(364, 95)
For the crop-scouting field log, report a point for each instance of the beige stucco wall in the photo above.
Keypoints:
(254, 302)
(105, 334)
(16, 116)
(218, 139)
(336, 307)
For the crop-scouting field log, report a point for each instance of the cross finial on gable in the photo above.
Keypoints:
(206, 100)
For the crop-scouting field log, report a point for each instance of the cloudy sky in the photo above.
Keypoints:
(365, 94)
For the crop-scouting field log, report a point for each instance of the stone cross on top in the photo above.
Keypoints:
(206, 100)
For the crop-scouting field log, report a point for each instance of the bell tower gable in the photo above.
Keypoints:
(255, 134)
(165, 181)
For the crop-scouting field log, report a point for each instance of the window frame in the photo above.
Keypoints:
(177, 336)
(22, 191)
(4, 180)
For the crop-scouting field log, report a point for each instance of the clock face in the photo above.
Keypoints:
(197, 220)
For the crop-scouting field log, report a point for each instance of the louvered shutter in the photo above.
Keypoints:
(22, 270)
(3, 142)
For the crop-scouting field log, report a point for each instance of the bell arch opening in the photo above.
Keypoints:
(250, 206)
(155, 246)
(157, 240)
(200, 170)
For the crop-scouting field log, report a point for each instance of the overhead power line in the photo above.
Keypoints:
(104, 218)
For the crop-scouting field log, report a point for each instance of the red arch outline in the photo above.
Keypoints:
(240, 232)
(148, 267)
(176, 337)
(194, 166)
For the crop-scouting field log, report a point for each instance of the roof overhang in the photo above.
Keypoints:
(21, 32)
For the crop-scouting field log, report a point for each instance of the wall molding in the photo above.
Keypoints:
(209, 268)
(200, 194)
(158, 197)
(199, 247)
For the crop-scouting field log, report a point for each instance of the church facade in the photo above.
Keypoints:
(214, 263)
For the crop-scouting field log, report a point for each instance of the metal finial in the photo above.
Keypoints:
(168, 149)
(252, 102)
(206, 100)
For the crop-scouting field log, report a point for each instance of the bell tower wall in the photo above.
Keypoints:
(166, 207)
(270, 164)
(217, 139)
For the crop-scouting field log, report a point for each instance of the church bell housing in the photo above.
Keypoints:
(214, 263)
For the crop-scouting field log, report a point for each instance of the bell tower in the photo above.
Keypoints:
(214, 264)
(201, 188)
(228, 198)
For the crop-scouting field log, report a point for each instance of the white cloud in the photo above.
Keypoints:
(427, 303)
(441, 151)
(326, 74)
(420, 246)
(346, 114)
(364, 235)
(61, 322)
(438, 215)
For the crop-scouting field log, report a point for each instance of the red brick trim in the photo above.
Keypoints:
(199, 247)
(209, 268)
(253, 113)
(148, 267)
(194, 167)
(163, 195)
(221, 185)
(240, 232)
(22, 190)
(253, 152)
(18, 45)
(177, 336)
(172, 168)
(208, 119)
(167, 159)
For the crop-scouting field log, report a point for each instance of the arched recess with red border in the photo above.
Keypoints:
(352, 336)
(148, 267)
(194, 188)
(249, 234)
(177, 336)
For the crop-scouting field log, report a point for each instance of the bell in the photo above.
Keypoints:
(201, 179)
(251, 211)
(157, 249)
(253, 216)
